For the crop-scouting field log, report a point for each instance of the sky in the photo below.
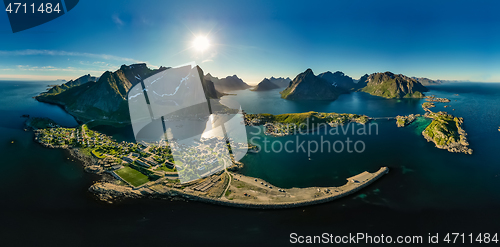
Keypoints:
(451, 40)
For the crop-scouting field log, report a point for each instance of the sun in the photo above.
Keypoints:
(201, 43)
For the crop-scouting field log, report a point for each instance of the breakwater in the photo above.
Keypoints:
(353, 185)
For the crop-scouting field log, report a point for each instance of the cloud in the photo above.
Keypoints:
(56, 69)
(31, 52)
(209, 58)
(100, 64)
(83, 63)
(117, 20)
(33, 77)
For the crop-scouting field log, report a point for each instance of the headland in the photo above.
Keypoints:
(135, 170)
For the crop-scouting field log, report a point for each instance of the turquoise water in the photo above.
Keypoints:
(419, 125)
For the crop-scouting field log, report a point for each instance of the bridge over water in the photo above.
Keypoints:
(382, 118)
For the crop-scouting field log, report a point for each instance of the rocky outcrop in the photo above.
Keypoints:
(108, 192)
(432, 98)
(427, 105)
(402, 121)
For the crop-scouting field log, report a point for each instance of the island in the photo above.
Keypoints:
(427, 105)
(403, 121)
(432, 98)
(446, 132)
(291, 123)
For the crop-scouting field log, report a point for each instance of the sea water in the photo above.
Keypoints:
(45, 199)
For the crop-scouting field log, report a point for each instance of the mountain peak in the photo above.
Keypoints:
(132, 66)
(104, 98)
(280, 81)
(309, 71)
(265, 85)
(307, 86)
(390, 85)
(338, 80)
(230, 83)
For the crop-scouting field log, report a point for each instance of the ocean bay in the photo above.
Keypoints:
(417, 167)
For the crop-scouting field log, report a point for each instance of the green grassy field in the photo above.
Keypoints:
(98, 155)
(132, 176)
(166, 169)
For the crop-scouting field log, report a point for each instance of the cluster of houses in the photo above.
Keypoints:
(110, 163)
(202, 158)
(147, 162)
(253, 121)
(55, 136)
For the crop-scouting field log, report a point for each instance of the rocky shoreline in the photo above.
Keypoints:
(89, 162)
(293, 123)
(81, 118)
(34, 123)
(432, 98)
(109, 192)
(110, 188)
(427, 105)
(446, 132)
(403, 121)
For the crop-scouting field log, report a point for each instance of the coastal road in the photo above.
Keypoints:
(229, 183)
